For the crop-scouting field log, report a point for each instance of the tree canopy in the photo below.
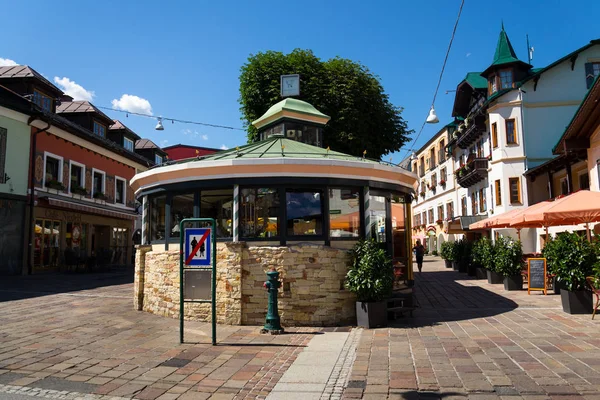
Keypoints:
(362, 116)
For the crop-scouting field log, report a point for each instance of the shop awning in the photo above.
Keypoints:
(463, 223)
(91, 209)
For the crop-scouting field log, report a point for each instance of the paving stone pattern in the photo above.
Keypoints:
(92, 342)
(473, 340)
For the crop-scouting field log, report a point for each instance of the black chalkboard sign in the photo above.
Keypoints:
(536, 274)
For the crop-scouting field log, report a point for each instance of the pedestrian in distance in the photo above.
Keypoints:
(419, 253)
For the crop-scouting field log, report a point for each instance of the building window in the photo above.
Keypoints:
(259, 213)
(98, 188)
(584, 181)
(564, 186)
(53, 165)
(432, 158)
(157, 217)
(479, 147)
(592, 70)
(3, 136)
(158, 160)
(218, 204)
(414, 168)
(433, 180)
(422, 167)
(494, 135)
(77, 180)
(492, 85)
(506, 79)
(120, 190)
(344, 214)
(498, 193)
(99, 129)
(463, 206)
(304, 210)
(450, 210)
(474, 203)
(431, 218)
(442, 151)
(511, 136)
(423, 218)
(128, 144)
(440, 212)
(42, 100)
(443, 175)
(182, 207)
(515, 190)
(482, 201)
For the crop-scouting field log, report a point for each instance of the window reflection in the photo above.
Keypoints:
(303, 133)
(344, 213)
(304, 212)
(218, 204)
(157, 217)
(377, 213)
(182, 206)
(259, 213)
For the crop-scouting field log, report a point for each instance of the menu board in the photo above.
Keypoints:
(536, 272)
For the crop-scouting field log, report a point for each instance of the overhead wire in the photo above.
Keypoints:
(441, 75)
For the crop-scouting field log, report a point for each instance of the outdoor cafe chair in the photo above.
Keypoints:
(591, 281)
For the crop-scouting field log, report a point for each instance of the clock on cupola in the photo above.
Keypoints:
(292, 118)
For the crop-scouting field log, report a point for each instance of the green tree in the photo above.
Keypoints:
(362, 116)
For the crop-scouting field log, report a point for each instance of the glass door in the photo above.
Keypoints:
(47, 243)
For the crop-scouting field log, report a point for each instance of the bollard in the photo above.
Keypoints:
(272, 322)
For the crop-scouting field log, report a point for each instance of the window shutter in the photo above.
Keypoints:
(589, 75)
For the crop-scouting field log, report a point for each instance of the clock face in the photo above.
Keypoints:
(290, 85)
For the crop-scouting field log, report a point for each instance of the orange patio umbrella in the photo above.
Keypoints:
(581, 207)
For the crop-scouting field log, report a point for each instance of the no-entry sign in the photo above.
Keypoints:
(198, 245)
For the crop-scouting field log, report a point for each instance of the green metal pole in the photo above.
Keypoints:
(214, 284)
(181, 282)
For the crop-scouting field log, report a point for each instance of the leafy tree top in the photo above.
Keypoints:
(362, 116)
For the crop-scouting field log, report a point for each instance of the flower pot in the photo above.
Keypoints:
(463, 266)
(480, 273)
(448, 263)
(513, 282)
(472, 270)
(494, 277)
(372, 314)
(576, 302)
(455, 265)
(556, 286)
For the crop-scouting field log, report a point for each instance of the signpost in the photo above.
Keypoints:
(536, 272)
(198, 269)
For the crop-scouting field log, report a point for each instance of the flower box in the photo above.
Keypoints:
(56, 185)
(79, 190)
(99, 196)
(442, 183)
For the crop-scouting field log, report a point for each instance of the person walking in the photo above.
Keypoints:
(419, 253)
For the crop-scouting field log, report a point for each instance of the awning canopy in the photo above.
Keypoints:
(74, 205)
(497, 221)
(582, 207)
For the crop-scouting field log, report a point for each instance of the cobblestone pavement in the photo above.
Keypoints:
(473, 340)
(88, 342)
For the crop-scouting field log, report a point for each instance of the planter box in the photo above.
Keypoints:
(513, 282)
(463, 266)
(371, 315)
(480, 273)
(494, 277)
(556, 286)
(472, 269)
(448, 263)
(577, 302)
(455, 265)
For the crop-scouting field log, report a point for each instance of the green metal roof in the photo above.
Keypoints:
(293, 105)
(504, 51)
(476, 80)
(276, 147)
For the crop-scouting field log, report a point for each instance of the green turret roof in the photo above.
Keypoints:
(505, 54)
(294, 106)
(476, 80)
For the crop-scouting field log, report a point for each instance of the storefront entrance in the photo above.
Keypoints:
(47, 243)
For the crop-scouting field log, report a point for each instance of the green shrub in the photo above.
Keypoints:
(572, 258)
(476, 253)
(371, 274)
(434, 253)
(486, 254)
(465, 247)
(508, 256)
(446, 250)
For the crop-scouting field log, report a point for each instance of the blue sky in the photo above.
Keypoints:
(184, 57)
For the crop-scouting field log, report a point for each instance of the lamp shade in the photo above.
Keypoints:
(159, 126)
(432, 118)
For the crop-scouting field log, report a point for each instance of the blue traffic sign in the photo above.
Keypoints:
(198, 245)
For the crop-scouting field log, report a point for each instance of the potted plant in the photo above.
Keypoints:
(79, 190)
(434, 253)
(551, 252)
(371, 277)
(54, 184)
(442, 182)
(455, 255)
(508, 258)
(573, 260)
(463, 254)
(477, 259)
(489, 261)
(446, 252)
(99, 196)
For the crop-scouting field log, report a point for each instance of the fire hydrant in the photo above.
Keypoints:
(272, 322)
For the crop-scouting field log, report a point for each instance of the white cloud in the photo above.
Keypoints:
(194, 134)
(223, 147)
(7, 62)
(73, 89)
(204, 137)
(164, 142)
(468, 55)
(134, 104)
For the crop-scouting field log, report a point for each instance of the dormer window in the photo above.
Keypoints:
(128, 144)
(506, 79)
(99, 129)
(158, 159)
(42, 100)
(493, 86)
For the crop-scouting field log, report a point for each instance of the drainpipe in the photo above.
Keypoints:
(31, 224)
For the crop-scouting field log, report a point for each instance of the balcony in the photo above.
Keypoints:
(472, 173)
(472, 132)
